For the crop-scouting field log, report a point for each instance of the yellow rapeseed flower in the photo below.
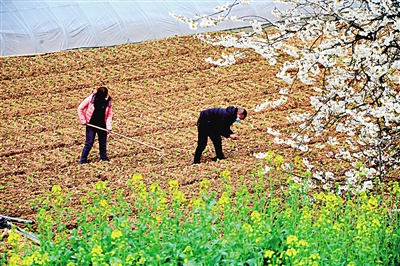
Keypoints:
(269, 254)
(179, 196)
(56, 189)
(189, 250)
(40, 259)
(129, 259)
(255, 216)
(154, 187)
(247, 227)
(197, 203)
(13, 238)
(224, 199)
(288, 213)
(158, 219)
(270, 155)
(320, 196)
(136, 178)
(291, 239)
(275, 202)
(372, 202)
(84, 200)
(394, 186)
(225, 175)
(315, 256)
(332, 201)
(278, 160)
(376, 222)
(27, 261)
(337, 226)
(205, 183)
(100, 186)
(141, 261)
(162, 203)
(173, 185)
(103, 203)
(116, 234)
(302, 243)
(97, 251)
(291, 252)
(162, 200)
(142, 193)
(389, 229)
(14, 260)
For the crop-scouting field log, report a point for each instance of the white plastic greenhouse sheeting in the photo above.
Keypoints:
(39, 26)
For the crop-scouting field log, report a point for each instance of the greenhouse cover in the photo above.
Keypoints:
(41, 26)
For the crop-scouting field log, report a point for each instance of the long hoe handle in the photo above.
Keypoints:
(148, 145)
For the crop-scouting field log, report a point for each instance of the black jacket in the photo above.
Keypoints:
(219, 119)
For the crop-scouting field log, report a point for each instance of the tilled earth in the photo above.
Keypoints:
(158, 89)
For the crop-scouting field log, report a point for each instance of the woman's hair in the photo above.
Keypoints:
(102, 91)
(242, 111)
(101, 95)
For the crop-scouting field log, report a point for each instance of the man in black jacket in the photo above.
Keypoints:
(214, 123)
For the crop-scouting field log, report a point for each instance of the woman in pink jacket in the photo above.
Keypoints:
(96, 110)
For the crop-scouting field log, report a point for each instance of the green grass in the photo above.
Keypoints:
(263, 223)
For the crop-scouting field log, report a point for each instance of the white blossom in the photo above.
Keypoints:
(226, 60)
(318, 175)
(329, 175)
(292, 118)
(257, 26)
(245, 2)
(266, 169)
(222, 8)
(319, 146)
(284, 91)
(332, 141)
(260, 155)
(307, 164)
(273, 104)
(273, 132)
(278, 140)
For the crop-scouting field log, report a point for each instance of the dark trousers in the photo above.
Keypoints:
(204, 132)
(90, 135)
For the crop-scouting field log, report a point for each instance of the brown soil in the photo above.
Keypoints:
(158, 90)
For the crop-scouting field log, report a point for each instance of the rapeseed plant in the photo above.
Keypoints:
(157, 227)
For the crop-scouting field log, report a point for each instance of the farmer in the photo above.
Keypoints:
(96, 110)
(214, 123)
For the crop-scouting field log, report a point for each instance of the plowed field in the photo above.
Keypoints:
(158, 89)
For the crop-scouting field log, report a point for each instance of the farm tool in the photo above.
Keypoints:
(115, 133)
(6, 223)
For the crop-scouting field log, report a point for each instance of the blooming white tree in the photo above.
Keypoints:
(349, 51)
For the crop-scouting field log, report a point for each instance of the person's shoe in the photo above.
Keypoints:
(196, 163)
(105, 160)
(216, 159)
(82, 162)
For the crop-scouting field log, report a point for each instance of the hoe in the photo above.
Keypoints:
(6, 223)
(148, 145)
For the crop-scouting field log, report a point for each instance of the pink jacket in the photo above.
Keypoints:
(85, 112)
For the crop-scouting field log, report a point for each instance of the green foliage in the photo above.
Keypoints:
(255, 225)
